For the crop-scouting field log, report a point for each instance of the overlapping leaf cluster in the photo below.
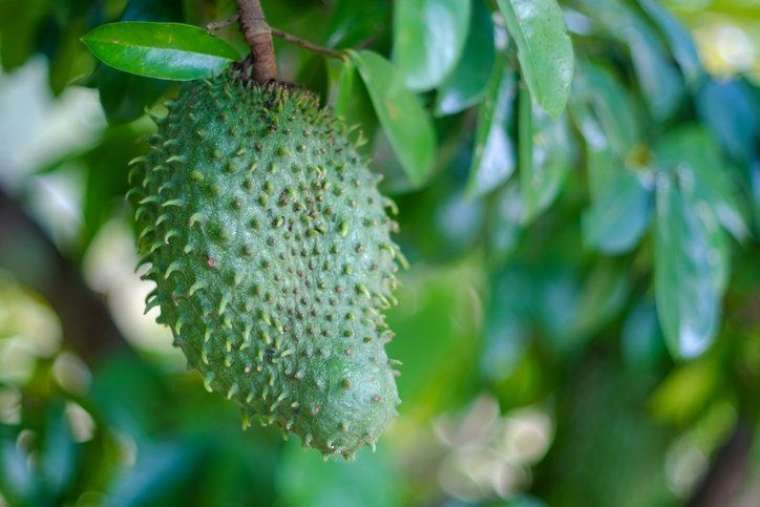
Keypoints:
(573, 161)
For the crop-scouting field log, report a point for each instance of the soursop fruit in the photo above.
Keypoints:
(270, 247)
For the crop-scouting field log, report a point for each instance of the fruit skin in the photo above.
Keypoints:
(270, 247)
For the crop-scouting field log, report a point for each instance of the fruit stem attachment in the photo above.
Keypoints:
(259, 37)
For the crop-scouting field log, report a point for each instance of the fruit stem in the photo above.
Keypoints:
(259, 37)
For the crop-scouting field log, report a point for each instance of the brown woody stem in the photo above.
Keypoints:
(259, 37)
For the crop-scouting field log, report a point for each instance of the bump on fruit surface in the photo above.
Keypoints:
(270, 247)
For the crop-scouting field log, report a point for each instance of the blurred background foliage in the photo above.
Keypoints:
(536, 368)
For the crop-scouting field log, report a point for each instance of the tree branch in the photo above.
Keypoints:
(297, 41)
(27, 253)
(728, 471)
(214, 26)
(259, 37)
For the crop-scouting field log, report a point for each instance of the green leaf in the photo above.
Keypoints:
(507, 327)
(163, 471)
(684, 395)
(20, 484)
(312, 74)
(353, 22)
(621, 199)
(621, 207)
(612, 105)
(407, 125)
(124, 97)
(728, 108)
(543, 48)
(441, 224)
(172, 51)
(70, 62)
(661, 84)
(545, 156)
(469, 79)
(350, 100)
(603, 295)
(681, 43)
(304, 479)
(20, 23)
(523, 501)
(641, 338)
(59, 453)
(695, 154)
(690, 269)
(505, 224)
(435, 321)
(429, 36)
(493, 160)
(658, 78)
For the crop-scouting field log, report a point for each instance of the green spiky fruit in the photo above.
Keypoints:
(270, 247)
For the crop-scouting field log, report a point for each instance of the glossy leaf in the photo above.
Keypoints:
(524, 501)
(306, 480)
(349, 99)
(507, 322)
(172, 51)
(313, 75)
(558, 294)
(659, 81)
(658, 78)
(641, 338)
(545, 157)
(695, 155)
(20, 22)
(441, 224)
(435, 321)
(19, 482)
(345, 86)
(406, 123)
(469, 79)
(621, 208)
(154, 10)
(125, 96)
(71, 62)
(543, 48)
(505, 226)
(621, 196)
(353, 22)
(680, 40)
(613, 108)
(604, 293)
(731, 112)
(163, 471)
(690, 268)
(493, 159)
(429, 36)
(58, 458)
(684, 395)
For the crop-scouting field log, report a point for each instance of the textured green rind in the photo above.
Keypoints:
(269, 244)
